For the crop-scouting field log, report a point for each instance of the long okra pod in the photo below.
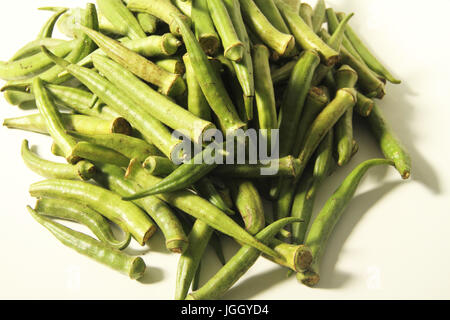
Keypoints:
(197, 207)
(204, 27)
(306, 13)
(153, 130)
(319, 15)
(281, 42)
(47, 29)
(212, 86)
(73, 211)
(391, 147)
(205, 188)
(134, 267)
(302, 208)
(34, 47)
(329, 216)
(48, 169)
(306, 37)
(125, 214)
(270, 11)
(366, 55)
(121, 17)
(156, 104)
(238, 265)
(93, 152)
(113, 178)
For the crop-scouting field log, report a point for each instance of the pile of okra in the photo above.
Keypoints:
(134, 71)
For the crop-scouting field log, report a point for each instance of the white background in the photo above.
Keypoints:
(393, 242)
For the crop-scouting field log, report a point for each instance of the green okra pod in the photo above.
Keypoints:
(162, 9)
(197, 207)
(172, 65)
(364, 106)
(283, 73)
(306, 13)
(390, 145)
(185, 6)
(121, 18)
(302, 208)
(76, 212)
(147, 22)
(238, 265)
(212, 86)
(159, 106)
(93, 152)
(271, 12)
(306, 37)
(366, 55)
(78, 123)
(329, 216)
(53, 122)
(16, 98)
(204, 27)
(281, 42)
(319, 15)
(34, 47)
(47, 29)
(113, 178)
(168, 83)
(125, 214)
(159, 166)
(206, 188)
(134, 267)
(82, 170)
(297, 258)
(233, 47)
(293, 4)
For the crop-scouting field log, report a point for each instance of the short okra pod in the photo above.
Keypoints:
(190, 260)
(79, 123)
(147, 22)
(319, 15)
(159, 166)
(121, 17)
(306, 13)
(237, 266)
(53, 122)
(113, 178)
(82, 170)
(330, 215)
(49, 26)
(233, 47)
(172, 65)
(152, 130)
(162, 9)
(168, 83)
(134, 267)
(197, 207)
(206, 188)
(249, 204)
(197, 104)
(281, 42)
(264, 91)
(364, 106)
(125, 214)
(366, 55)
(306, 37)
(76, 212)
(390, 145)
(159, 106)
(212, 86)
(297, 258)
(204, 27)
(93, 152)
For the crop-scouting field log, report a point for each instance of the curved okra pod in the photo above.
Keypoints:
(53, 121)
(264, 91)
(238, 265)
(281, 42)
(197, 104)
(159, 106)
(205, 188)
(153, 130)
(190, 260)
(130, 147)
(113, 178)
(287, 167)
(16, 98)
(306, 37)
(162, 9)
(319, 15)
(233, 47)
(244, 68)
(34, 47)
(134, 267)
(297, 258)
(329, 216)
(366, 55)
(249, 204)
(391, 147)
(204, 27)
(197, 207)
(93, 152)
(47, 28)
(82, 170)
(147, 22)
(76, 212)
(121, 18)
(306, 13)
(212, 86)
(346, 77)
(125, 214)
(168, 83)
(77, 123)
(159, 166)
